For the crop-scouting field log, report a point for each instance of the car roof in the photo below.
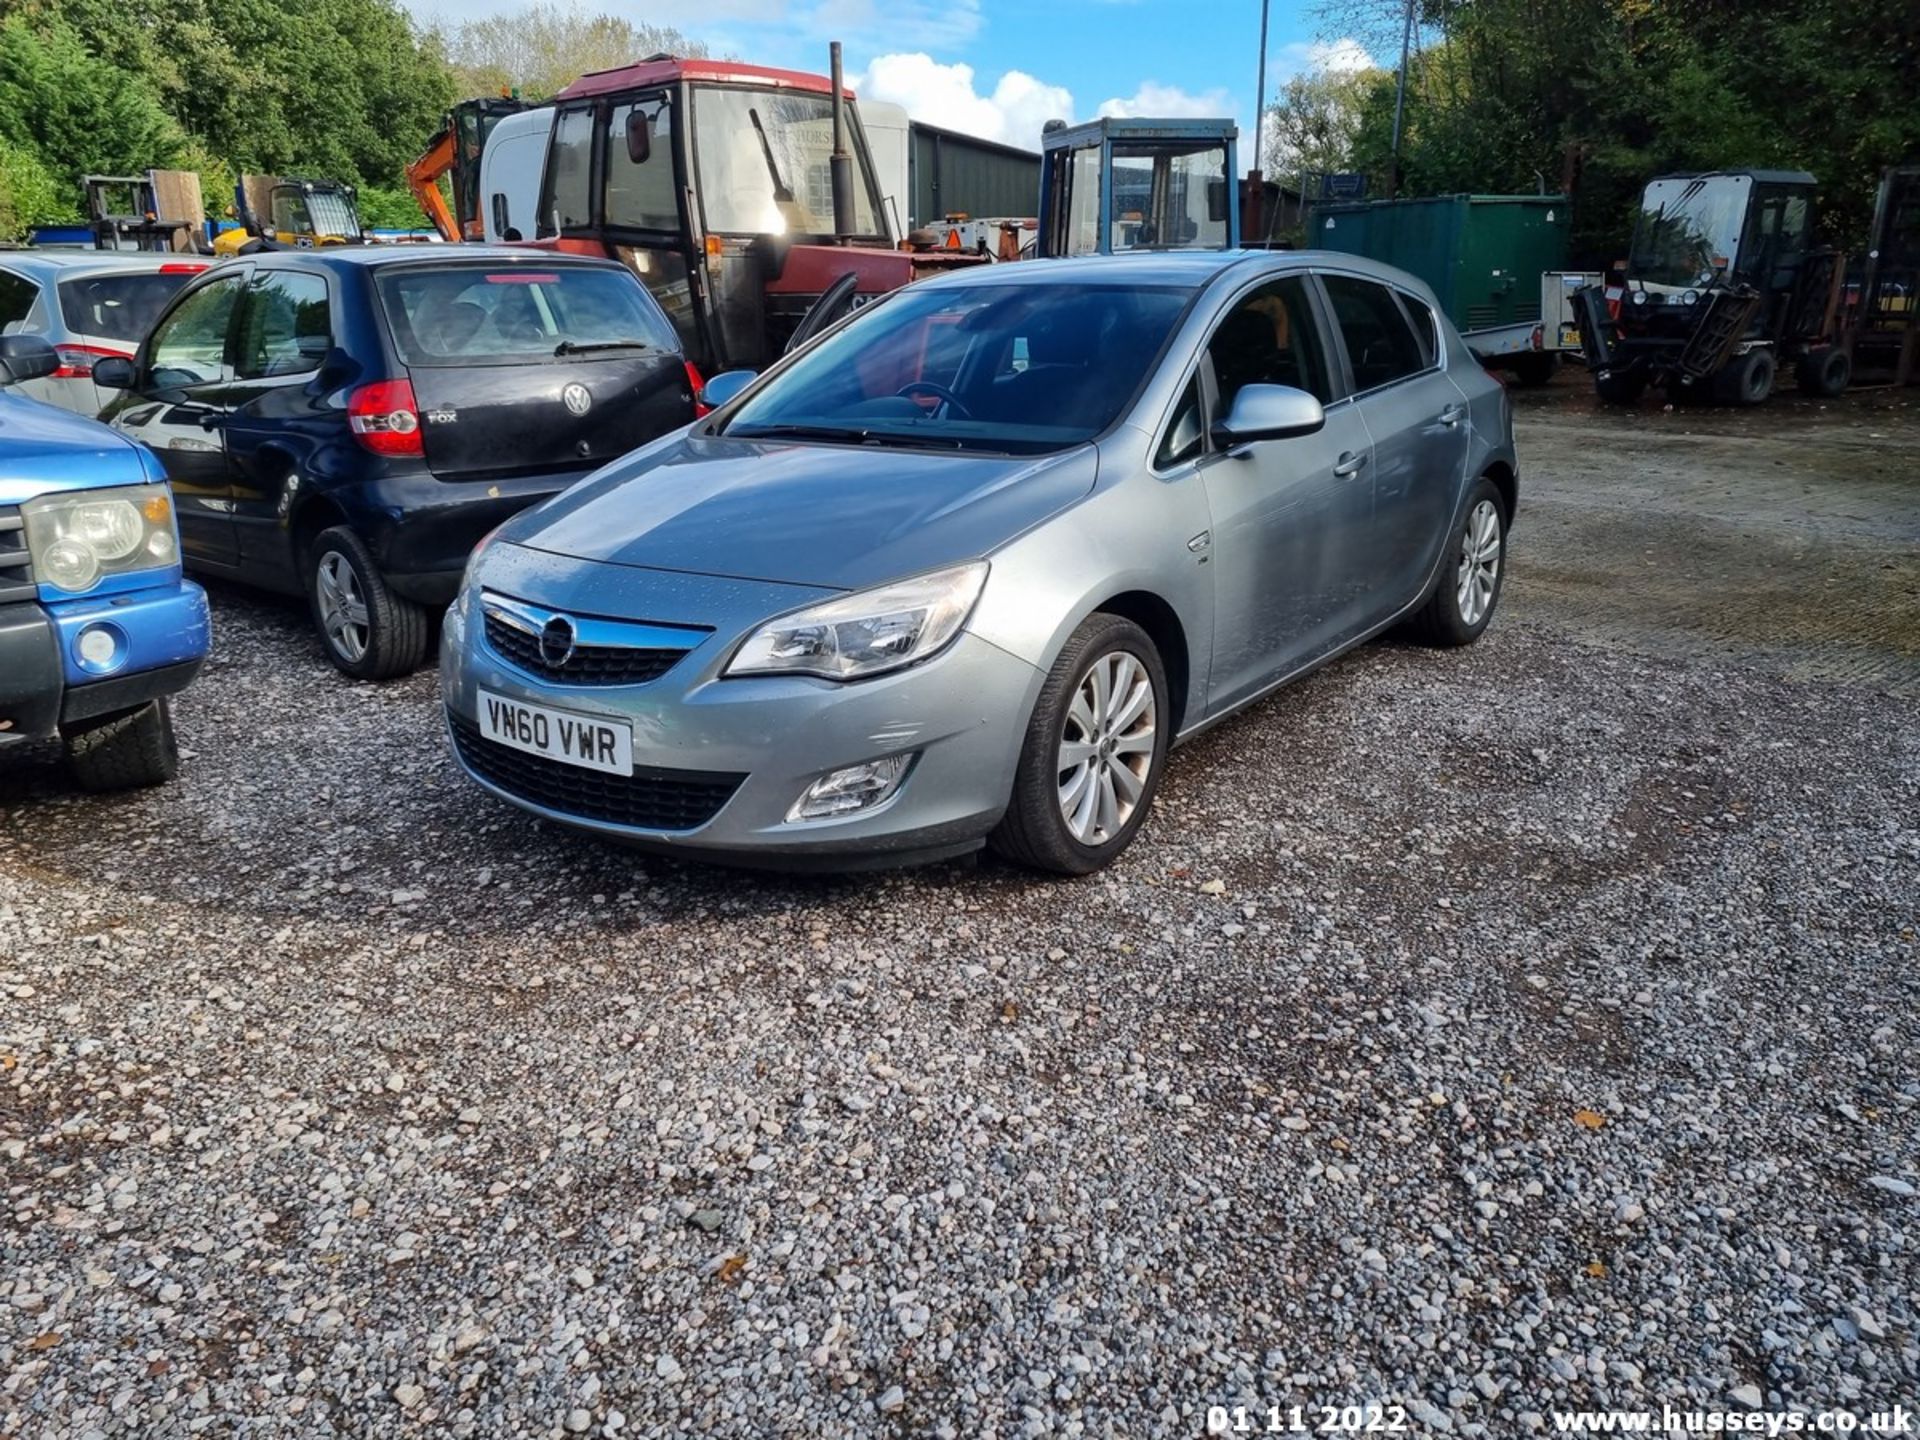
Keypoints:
(1185, 269)
(64, 262)
(373, 257)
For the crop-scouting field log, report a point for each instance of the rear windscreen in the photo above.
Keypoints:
(118, 307)
(475, 315)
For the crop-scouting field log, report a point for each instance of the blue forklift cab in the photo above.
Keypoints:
(1116, 185)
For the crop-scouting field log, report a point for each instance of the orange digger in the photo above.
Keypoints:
(455, 153)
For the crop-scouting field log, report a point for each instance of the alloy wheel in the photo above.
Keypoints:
(1479, 563)
(343, 608)
(1106, 747)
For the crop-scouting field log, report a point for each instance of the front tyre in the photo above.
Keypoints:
(129, 751)
(369, 632)
(1091, 762)
(1471, 573)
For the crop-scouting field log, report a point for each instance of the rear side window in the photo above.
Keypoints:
(17, 295)
(1381, 345)
(119, 307)
(288, 327)
(1424, 329)
(516, 315)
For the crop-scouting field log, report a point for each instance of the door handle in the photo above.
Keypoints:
(1453, 415)
(1350, 464)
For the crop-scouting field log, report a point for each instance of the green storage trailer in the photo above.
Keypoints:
(1483, 256)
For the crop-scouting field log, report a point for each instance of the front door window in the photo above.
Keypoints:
(190, 347)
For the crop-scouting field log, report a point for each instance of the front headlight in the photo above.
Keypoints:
(867, 633)
(76, 539)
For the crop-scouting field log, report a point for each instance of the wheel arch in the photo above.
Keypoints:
(1161, 621)
(310, 516)
(1507, 482)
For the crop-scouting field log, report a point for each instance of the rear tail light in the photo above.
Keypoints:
(385, 419)
(700, 408)
(76, 361)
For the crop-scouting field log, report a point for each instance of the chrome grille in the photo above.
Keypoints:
(598, 651)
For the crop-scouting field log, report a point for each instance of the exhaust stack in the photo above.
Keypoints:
(840, 164)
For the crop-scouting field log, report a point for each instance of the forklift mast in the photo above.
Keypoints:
(1115, 185)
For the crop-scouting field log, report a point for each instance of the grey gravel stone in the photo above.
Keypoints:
(1050, 1158)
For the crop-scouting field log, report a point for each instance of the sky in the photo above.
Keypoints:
(1002, 68)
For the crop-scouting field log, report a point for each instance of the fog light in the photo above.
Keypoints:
(857, 787)
(100, 649)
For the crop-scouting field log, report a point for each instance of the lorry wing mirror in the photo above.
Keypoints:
(639, 136)
(26, 357)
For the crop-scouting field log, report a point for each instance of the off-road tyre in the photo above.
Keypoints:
(1824, 374)
(1746, 380)
(1034, 831)
(128, 751)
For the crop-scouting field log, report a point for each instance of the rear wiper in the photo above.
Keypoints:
(587, 347)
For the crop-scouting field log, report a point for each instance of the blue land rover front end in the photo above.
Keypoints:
(98, 625)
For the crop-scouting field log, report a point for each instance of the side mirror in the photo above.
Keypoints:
(724, 386)
(113, 372)
(639, 136)
(1268, 412)
(26, 357)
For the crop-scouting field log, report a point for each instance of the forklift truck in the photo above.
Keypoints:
(1721, 287)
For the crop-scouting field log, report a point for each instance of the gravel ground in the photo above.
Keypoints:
(1489, 1033)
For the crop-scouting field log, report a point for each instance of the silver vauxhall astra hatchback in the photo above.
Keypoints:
(965, 569)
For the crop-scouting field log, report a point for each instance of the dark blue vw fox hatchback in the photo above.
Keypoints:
(347, 423)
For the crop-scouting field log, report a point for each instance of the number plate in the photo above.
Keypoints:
(583, 740)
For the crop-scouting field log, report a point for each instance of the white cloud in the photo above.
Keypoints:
(934, 24)
(1170, 102)
(1312, 57)
(1013, 112)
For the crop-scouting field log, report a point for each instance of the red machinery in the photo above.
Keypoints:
(739, 194)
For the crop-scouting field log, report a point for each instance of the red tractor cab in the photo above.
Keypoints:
(739, 194)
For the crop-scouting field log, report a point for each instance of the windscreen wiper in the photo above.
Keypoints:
(781, 194)
(587, 347)
(846, 434)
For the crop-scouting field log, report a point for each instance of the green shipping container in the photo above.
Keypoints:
(1483, 255)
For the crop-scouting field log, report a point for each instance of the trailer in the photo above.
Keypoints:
(1484, 257)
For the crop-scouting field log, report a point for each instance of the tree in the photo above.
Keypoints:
(345, 89)
(1598, 96)
(29, 195)
(543, 48)
(75, 113)
(1312, 127)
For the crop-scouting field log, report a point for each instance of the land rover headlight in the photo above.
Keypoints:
(77, 539)
(867, 633)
